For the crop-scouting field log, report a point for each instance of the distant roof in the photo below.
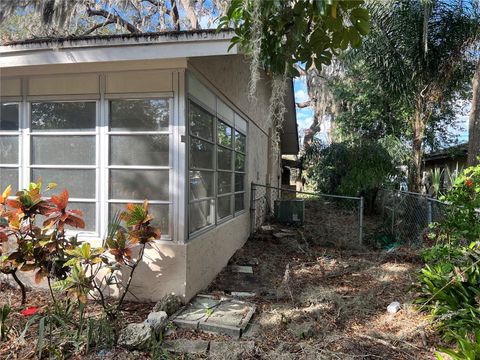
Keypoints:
(171, 35)
(452, 152)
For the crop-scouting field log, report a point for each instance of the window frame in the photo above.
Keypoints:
(27, 150)
(107, 133)
(230, 123)
(19, 133)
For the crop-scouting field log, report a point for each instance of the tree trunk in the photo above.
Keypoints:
(415, 175)
(474, 122)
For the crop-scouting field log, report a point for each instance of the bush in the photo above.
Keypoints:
(357, 169)
(73, 269)
(448, 284)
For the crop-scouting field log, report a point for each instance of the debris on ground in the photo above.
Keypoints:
(394, 307)
(332, 307)
(135, 336)
(169, 303)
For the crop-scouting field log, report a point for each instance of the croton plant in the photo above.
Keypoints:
(69, 265)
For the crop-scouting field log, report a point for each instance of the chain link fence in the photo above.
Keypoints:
(327, 219)
(407, 215)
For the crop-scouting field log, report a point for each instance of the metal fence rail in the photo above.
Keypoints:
(329, 219)
(407, 215)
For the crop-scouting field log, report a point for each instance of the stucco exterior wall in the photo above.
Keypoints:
(230, 75)
(173, 266)
(209, 253)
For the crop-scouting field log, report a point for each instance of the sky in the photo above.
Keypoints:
(305, 115)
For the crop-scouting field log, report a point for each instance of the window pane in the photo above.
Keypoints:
(159, 212)
(63, 116)
(201, 184)
(8, 116)
(201, 154)
(88, 210)
(224, 182)
(224, 158)
(224, 134)
(63, 150)
(139, 150)
(9, 176)
(224, 206)
(239, 162)
(80, 183)
(139, 115)
(239, 202)
(201, 122)
(239, 182)
(139, 184)
(240, 142)
(201, 214)
(8, 149)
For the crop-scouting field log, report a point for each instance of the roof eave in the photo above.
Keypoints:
(120, 48)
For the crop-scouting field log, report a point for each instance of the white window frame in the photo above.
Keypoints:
(27, 166)
(106, 159)
(19, 134)
(212, 199)
(217, 117)
(101, 166)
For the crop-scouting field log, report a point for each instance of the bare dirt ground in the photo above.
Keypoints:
(313, 302)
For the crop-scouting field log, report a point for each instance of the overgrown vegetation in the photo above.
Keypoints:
(448, 283)
(351, 169)
(74, 271)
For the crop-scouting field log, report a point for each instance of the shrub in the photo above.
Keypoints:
(71, 268)
(463, 220)
(448, 284)
(357, 169)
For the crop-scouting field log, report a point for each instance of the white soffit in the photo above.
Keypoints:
(116, 48)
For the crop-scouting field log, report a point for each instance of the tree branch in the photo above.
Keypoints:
(190, 12)
(115, 18)
(302, 71)
(304, 104)
(98, 26)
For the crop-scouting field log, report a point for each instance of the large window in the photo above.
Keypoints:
(139, 162)
(63, 150)
(9, 145)
(105, 161)
(217, 177)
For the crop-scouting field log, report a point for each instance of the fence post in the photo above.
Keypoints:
(360, 230)
(429, 211)
(252, 208)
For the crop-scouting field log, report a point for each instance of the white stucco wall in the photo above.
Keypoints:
(228, 78)
(171, 266)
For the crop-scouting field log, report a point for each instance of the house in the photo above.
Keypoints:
(451, 157)
(451, 160)
(165, 117)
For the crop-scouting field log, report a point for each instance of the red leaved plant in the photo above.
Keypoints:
(41, 249)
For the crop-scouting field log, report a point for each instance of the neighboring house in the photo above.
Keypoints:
(449, 157)
(164, 117)
(453, 158)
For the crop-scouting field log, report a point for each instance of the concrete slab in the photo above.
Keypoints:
(224, 316)
(231, 350)
(243, 294)
(241, 269)
(184, 346)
